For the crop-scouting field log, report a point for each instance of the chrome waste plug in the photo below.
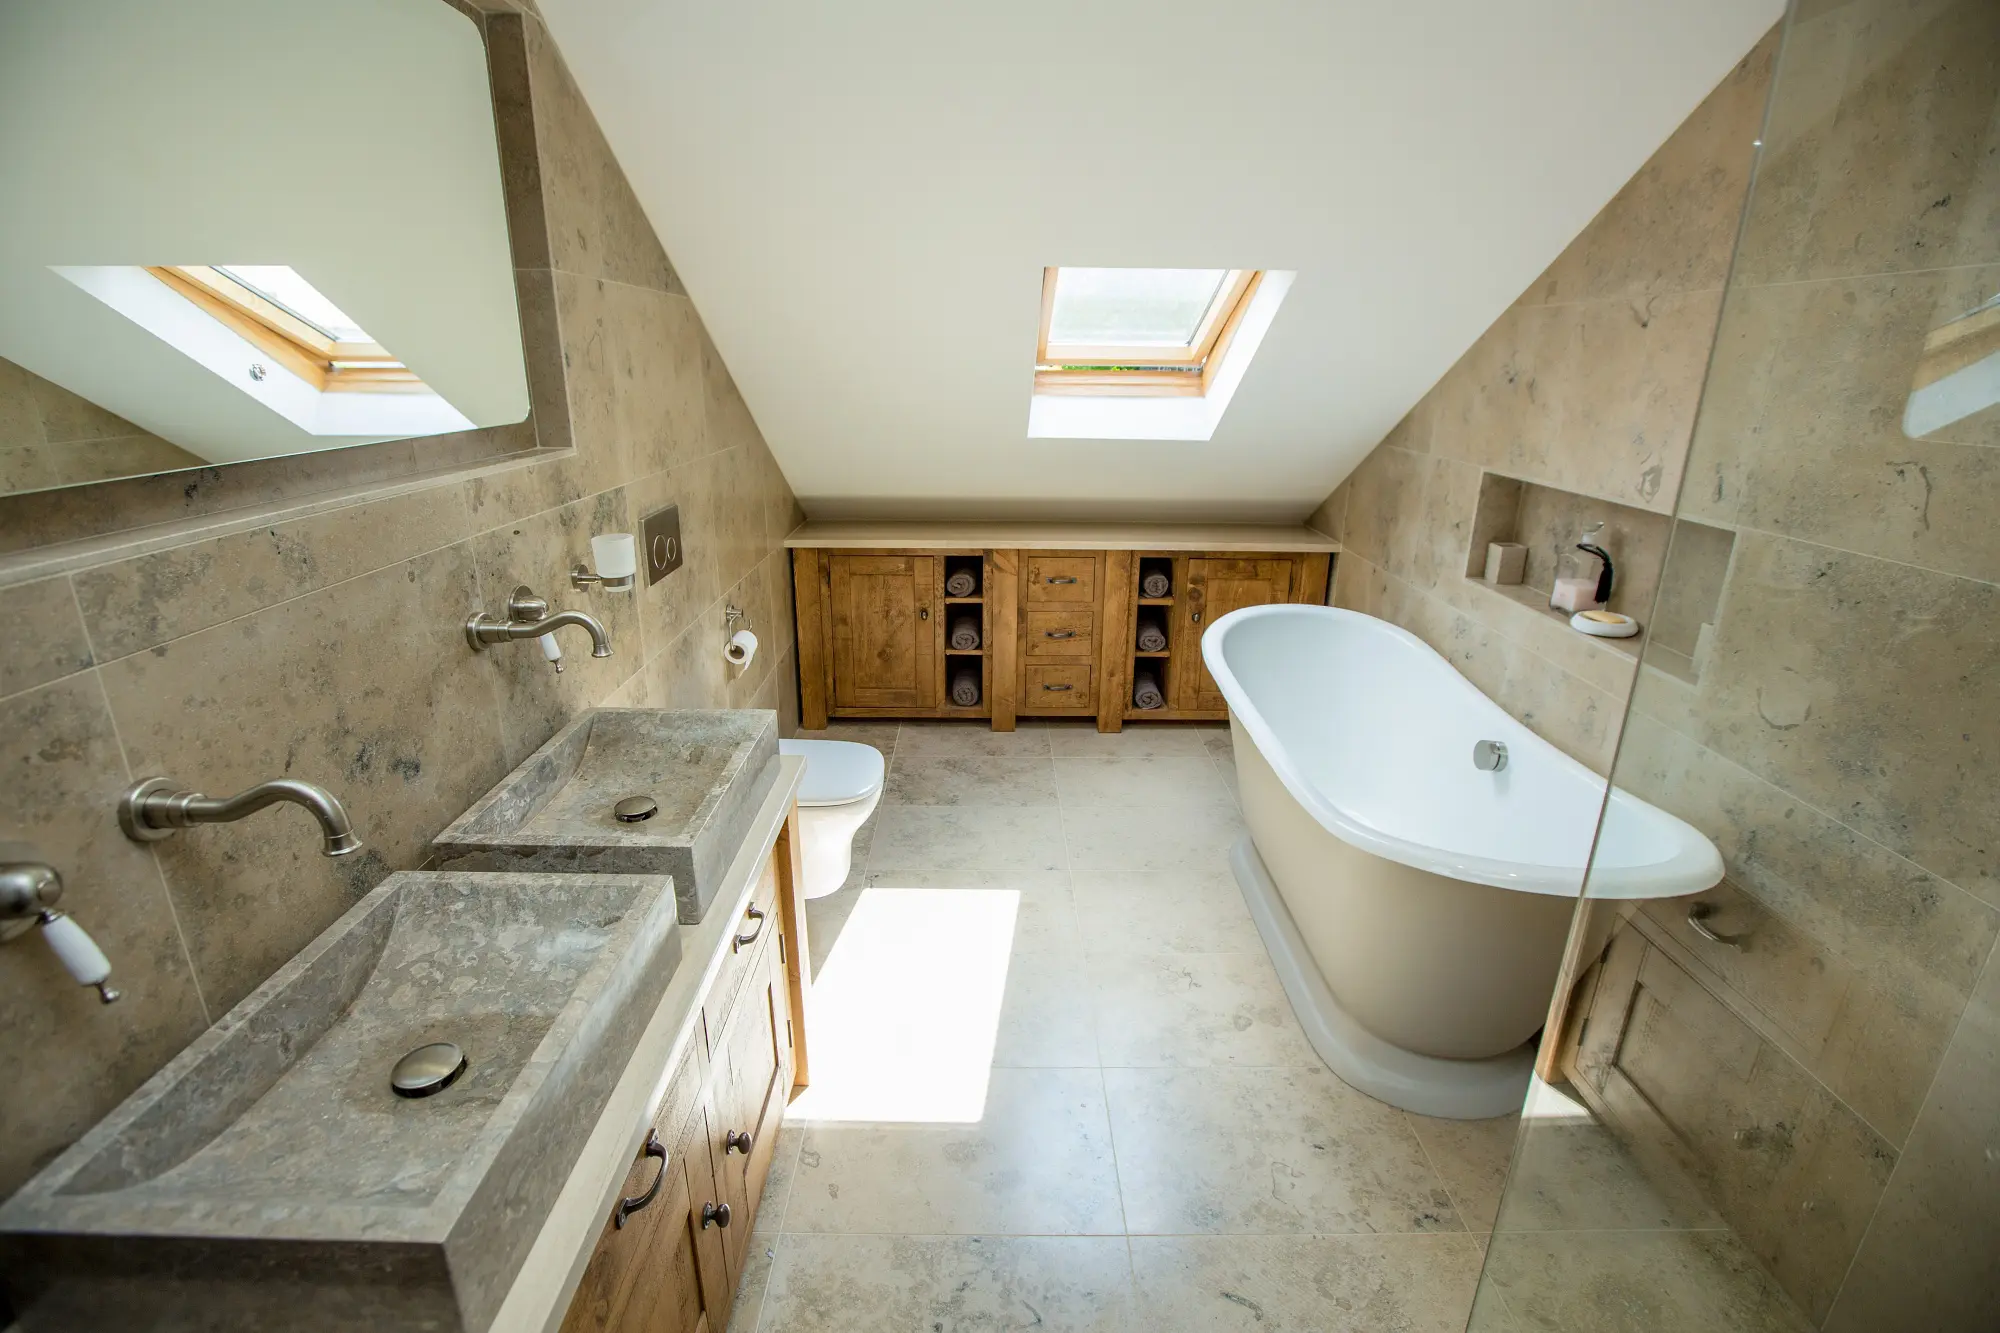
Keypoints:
(427, 1070)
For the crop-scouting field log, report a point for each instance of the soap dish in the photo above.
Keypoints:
(1604, 624)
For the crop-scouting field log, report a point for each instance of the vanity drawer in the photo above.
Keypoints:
(1062, 578)
(737, 958)
(1060, 632)
(1057, 687)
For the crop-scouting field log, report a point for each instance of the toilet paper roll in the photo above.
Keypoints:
(742, 646)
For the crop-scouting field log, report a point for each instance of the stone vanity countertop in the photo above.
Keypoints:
(1266, 537)
(540, 1295)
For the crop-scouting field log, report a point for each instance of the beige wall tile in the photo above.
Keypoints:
(1927, 1261)
(1864, 687)
(596, 227)
(1385, 498)
(367, 688)
(151, 599)
(70, 1059)
(1879, 152)
(45, 640)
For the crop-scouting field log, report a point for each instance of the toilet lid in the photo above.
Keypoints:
(836, 771)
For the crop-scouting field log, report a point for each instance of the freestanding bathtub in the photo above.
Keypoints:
(1416, 905)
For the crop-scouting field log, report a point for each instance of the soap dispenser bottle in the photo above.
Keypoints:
(1583, 575)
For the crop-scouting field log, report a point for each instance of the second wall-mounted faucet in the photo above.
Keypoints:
(528, 617)
(159, 808)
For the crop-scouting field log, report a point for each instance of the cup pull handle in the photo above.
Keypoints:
(1059, 634)
(1058, 688)
(1062, 578)
(1698, 916)
(756, 914)
(629, 1206)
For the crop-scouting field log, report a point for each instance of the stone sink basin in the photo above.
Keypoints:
(706, 771)
(269, 1177)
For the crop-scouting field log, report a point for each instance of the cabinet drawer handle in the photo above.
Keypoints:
(627, 1207)
(714, 1215)
(1059, 634)
(736, 1140)
(1698, 916)
(1058, 688)
(757, 915)
(1060, 578)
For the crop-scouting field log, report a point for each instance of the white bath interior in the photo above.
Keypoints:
(1416, 905)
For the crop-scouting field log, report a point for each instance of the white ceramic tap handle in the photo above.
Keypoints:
(78, 953)
(551, 649)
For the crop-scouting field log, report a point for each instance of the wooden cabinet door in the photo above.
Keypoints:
(753, 1076)
(664, 1270)
(1215, 587)
(885, 629)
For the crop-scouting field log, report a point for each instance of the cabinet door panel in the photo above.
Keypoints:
(1214, 588)
(749, 1070)
(885, 630)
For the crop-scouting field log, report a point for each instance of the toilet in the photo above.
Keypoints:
(841, 788)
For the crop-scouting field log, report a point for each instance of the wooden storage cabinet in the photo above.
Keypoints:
(669, 1260)
(1058, 626)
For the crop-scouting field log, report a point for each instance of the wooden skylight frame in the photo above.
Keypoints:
(1111, 371)
(329, 364)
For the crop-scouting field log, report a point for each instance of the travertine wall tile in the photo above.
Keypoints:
(46, 640)
(70, 1059)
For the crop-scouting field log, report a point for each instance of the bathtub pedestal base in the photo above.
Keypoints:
(1453, 1089)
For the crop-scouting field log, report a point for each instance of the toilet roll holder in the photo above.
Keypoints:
(28, 894)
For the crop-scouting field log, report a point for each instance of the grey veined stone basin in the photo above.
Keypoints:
(269, 1178)
(707, 771)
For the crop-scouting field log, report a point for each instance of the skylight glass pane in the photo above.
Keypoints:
(282, 286)
(1132, 307)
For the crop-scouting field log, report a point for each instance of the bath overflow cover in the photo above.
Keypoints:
(635, 808)
(427, 1069)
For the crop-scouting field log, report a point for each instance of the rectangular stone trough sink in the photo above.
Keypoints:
(705, 771)
(269, 1177)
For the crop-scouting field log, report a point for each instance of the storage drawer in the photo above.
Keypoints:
(1057, 687)
(736, 963)
(1061, 632)
(1062, 578)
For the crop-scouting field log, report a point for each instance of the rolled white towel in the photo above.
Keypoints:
(961, 583)
(965, 687)
(1155, 583)
(964, 635)
(1152, 639)
(1146, 691)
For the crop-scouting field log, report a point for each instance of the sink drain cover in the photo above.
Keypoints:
(635, 808)
(427, 1070)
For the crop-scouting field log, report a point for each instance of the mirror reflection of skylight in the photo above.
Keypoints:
(1132, 307)
(281, 285)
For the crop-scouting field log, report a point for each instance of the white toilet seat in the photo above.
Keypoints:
(841, 788)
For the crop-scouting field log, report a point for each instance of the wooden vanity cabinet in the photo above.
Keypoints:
(673, 1266)
(886, 627)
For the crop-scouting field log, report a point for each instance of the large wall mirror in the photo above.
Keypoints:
(239, 229)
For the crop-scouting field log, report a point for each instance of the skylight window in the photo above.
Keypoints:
(1138, 332)
(273, 307)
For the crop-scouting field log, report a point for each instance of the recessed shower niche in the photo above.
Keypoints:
(1683, 563)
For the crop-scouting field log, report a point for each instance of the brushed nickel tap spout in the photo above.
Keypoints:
(528, 617)
(158, 808)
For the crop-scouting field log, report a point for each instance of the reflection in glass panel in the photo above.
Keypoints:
(1132, 307)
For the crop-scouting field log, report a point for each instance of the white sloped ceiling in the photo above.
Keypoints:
(861, 197)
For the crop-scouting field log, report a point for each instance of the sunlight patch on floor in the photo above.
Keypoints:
(1546, 1103)
(907, 1007)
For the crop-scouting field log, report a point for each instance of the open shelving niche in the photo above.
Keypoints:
(982, 575)
(1683, 562)
(1158, 611)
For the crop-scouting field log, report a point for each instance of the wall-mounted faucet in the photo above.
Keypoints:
(528, 618)
(159, 808)
(28, 894)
